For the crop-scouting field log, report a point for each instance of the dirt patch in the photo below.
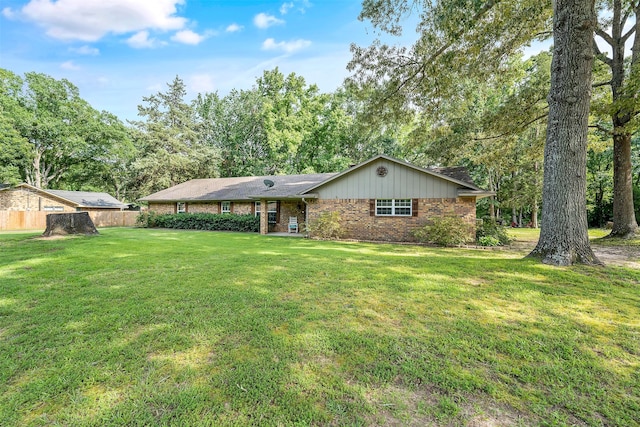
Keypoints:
(398, 406)
(624, 256)
(621, 256)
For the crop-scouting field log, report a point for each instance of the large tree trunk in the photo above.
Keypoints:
(624, 216)
(563, 236)
(624, 219)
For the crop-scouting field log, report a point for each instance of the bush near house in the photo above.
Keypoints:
(490, 233)
(328, 226)
(200, 221)
(445, 231)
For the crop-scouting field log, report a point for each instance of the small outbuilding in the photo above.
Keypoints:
(27, 198)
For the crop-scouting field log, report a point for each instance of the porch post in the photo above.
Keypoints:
(264, 216)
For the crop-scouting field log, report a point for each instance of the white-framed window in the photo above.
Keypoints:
(393, 207)
(53, 208)
(225, 207)
(272, 210)
(181, 207)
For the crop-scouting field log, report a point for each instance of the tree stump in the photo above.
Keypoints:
(69, 223)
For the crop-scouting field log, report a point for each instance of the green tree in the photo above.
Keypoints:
(235, 126)
(110, 169)
(622, 104)
(13, 146)
(52, 131)
(168, 142)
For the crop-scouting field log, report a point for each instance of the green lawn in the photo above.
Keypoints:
(157, 327)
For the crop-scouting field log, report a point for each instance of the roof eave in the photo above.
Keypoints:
(478, 194)
(288, 197)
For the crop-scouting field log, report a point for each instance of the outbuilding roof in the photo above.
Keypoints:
(80, 199)
(89, 199)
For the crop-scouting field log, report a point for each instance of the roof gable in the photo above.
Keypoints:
(455, 175)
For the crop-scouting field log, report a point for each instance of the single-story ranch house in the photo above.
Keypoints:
(27, 198)
(382, 198)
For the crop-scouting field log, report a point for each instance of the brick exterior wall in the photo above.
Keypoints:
(354, 213)
(359, 224)
(20, 199)
(289, 209)
(162, 208)
(238, 208)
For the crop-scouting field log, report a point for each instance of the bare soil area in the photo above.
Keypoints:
(623, 256)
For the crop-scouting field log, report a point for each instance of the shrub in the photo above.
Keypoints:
(445, 231)
(488, 241)
(147, 219)
(201, 221)
(490, 228)
(327, 226)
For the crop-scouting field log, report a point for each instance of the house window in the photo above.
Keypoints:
(272, 212)
(53, 208)
(393, 207)
(225, 207)
(181, 207)
(272, 208)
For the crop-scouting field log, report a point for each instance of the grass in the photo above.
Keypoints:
(532, 234)
(158, 327)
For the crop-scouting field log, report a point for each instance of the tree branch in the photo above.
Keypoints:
(628, 34)
(488, 6)
(602, 129)
(606, 37)
(626, 15)
(521, 126)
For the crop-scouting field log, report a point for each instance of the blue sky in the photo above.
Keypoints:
(117, 51)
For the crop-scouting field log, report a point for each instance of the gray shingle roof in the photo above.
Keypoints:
(89, 199)
(240, 188)
(459, 173)
(285, 186)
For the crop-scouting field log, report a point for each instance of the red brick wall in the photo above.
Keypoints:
(162, 208)
(359, 224)
(289, 209)
(238, 208)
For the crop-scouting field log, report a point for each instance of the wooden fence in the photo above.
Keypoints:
(19, 220)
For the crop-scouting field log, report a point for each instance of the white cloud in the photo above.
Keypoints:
(288, 47)
(69, 65)
(141, 40)
(85, 50)
(8, 13)
(90, 20)
(200, 83)
(262, 20)
(234, 28)
(188, 37)
(285, 7)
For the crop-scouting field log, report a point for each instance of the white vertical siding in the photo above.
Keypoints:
(401, 182)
